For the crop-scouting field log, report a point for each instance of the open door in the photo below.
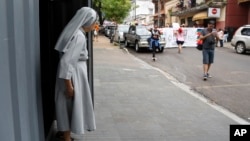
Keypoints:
(54, 15)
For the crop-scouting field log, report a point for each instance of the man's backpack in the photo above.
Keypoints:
(199, 44)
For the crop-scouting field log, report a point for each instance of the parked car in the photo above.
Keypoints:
(102, 30)
(112, 32)
(241, 39)
(118, 35)
(109, 29)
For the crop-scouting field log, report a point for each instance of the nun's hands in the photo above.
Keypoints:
(69, 88)
(70, 92)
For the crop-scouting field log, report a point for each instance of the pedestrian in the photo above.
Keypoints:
(209, 36)
(73, 101)
(96, 32)
(154, 41)
(179, 34)
(221, 37)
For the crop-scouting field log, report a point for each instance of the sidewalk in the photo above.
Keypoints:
(136, 102)
(227, 45)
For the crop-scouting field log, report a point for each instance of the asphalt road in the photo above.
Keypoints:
(229, 86)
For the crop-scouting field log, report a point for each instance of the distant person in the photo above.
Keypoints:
(96, 32)
(179, 34)
(225, 31)
(73, 99)
(209, 36)
(221, 37)
(225, 35)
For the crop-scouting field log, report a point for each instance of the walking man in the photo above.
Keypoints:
(209, 37)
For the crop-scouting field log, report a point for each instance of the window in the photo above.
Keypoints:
(245, 31)
(182, 21)
(150, 11)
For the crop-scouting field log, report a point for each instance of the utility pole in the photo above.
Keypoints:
(159, 14)
(135, 9)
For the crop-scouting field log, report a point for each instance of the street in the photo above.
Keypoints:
(229, 86)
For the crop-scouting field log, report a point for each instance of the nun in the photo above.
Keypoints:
(73, 101)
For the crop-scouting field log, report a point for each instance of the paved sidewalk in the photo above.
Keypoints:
(227, 45)
(136, 102)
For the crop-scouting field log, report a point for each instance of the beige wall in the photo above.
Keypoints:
(168, 7)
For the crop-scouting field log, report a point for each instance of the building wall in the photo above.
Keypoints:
(248, 17)
(238, 16)
(20, 102)
(220, 22)
(169, 7)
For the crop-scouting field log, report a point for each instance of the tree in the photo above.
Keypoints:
(113, 10)
(97, 5)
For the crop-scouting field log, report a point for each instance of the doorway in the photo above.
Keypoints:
(54, 15)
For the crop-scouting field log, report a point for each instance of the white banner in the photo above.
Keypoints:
(190, 37)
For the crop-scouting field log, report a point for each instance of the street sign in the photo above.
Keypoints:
(214, 12)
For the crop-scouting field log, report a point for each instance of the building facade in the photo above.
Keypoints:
(141, 12)
(161, 16)
(196, 13)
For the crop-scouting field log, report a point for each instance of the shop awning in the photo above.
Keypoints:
(200, 16)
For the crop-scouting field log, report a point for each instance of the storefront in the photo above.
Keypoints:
(199, 18)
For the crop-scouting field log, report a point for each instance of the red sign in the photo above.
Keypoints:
(214, 11)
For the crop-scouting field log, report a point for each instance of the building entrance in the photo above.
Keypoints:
(54, 15)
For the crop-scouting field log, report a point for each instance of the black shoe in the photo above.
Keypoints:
(205, 77)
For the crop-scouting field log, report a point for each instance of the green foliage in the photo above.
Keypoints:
(115, 10)
(97, 5)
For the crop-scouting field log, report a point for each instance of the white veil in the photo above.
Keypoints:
(83, 17)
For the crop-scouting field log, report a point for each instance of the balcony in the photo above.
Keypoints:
(200, 7)
(217, 3)
(190, 10)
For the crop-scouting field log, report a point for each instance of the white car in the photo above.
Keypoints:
(118, 34)
(241, 39)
